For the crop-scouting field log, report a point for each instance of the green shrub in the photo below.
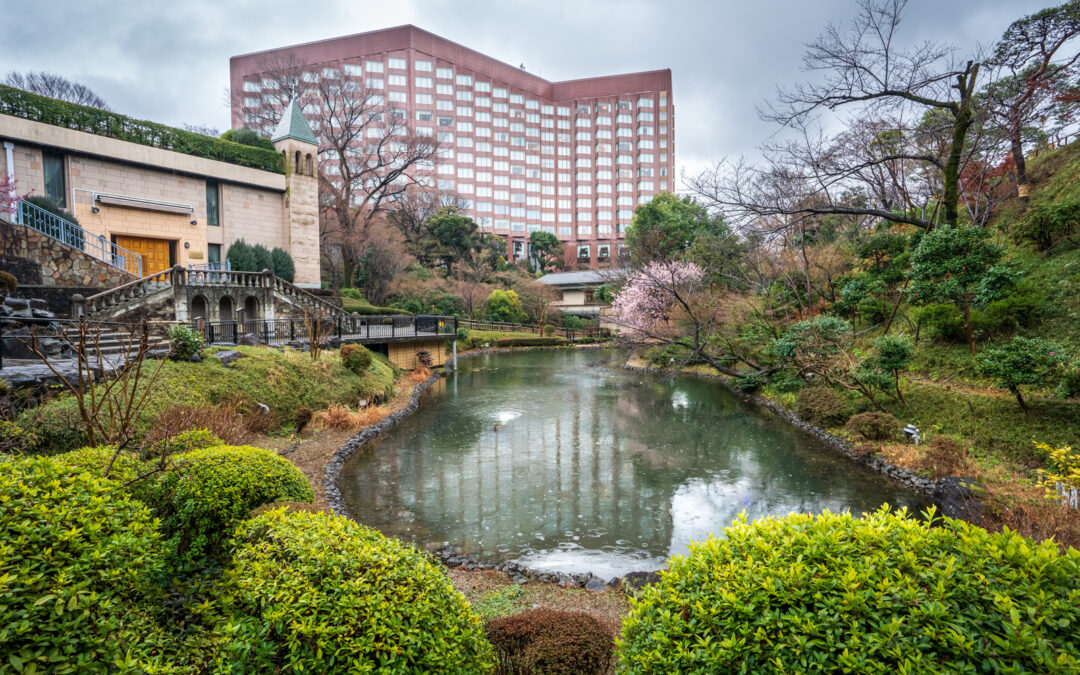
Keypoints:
(671, 354)
(49, 204)
(531, 342)
(462, 334)
(8, 282)
(823, 406)
(352, 294)
(551, 642)
(1048, 222)
(1021, 361)
(503, 305)
(76, 557)
(316, 593)
(549, 330)
(874, 426)
(184, 342)
(879, 594)
(364, 308)
(15, 439)
(211, 489)
(751, 383)
(246, 136)
(57, 426)
(26, 105)
(126, 466)
(942, 321)
(1021, 309)
(281, 264)
(356, 358)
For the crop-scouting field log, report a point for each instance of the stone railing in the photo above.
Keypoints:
(179, 278)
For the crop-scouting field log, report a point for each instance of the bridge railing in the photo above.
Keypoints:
(343, 328)
(560, 331)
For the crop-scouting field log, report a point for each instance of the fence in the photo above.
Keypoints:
(344, 328)
(505, 327)
(65, 232)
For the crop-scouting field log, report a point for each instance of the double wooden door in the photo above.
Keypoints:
(156, 253)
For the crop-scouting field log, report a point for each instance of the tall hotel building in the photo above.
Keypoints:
(572, 158)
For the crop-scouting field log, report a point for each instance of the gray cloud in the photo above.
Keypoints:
(169, 61)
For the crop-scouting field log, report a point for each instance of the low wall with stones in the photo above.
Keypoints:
(59, 265)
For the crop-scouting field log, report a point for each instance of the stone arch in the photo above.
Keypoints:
(226, 309)
(296, 165)
(309, 164)
(251, 308)
(198, 308)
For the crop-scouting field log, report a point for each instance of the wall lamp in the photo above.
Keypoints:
(94, 209)
(194, 221)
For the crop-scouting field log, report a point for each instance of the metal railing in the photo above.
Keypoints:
(70, 234)
(560, 331)
(343, 328)
(217, 266)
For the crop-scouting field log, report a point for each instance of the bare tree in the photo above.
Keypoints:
(202, 129)
(281, 83)
(55, 86)
(811, 173)
(1031, 77)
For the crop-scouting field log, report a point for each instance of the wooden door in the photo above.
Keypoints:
(155, 252)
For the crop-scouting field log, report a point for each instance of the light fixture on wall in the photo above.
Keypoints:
(187, 244)
(94, 209)
(194, 221)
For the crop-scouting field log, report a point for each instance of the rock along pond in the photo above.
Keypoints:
(563, 462)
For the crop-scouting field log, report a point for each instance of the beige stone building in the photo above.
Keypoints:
(152, 208)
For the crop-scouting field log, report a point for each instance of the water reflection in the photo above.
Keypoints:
(568, 466)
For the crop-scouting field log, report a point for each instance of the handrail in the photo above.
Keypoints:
(70, 234)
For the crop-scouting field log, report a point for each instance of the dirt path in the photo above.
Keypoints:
(492, 593)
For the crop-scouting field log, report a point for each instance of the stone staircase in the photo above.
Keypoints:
(170, 295)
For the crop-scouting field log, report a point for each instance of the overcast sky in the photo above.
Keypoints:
(169, 61)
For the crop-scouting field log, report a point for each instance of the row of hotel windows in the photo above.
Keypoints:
(420, 98)
(421, 82)
(486, 223)
(584, 251)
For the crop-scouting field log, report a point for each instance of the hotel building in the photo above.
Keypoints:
(573, 158)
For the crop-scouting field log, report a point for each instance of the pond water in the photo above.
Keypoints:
(563, 462)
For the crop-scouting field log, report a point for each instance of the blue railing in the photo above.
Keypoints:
(94, 245)
(218, 266)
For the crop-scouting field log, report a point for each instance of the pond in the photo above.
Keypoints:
(564, 462)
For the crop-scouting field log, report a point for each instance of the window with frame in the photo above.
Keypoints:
(396, 63)
(422, 66)
(444, 73)
(374, 66)
(55, 177)
(424, 82)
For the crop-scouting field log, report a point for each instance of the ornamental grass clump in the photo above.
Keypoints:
(209, 490)
(76, 558)
(316, 593)
(881, 594)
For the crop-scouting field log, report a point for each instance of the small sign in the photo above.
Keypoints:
(195, 255)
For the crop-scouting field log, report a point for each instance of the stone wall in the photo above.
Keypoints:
(58, 265)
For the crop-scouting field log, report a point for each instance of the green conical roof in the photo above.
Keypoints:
(293, 125)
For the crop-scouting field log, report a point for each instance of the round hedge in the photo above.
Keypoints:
(551, 642)
(76, 559)
(316, 593)
(882, 594)
(209, 490)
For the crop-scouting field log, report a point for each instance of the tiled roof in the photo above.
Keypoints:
(293, 125)
(581, 277)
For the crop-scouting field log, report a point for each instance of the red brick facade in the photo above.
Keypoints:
(573, 158)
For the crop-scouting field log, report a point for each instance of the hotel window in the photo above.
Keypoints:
(446, 185)
(396, 97)
(213, 253)
(517, 98)
(645, 117)
(482, 102)
(565, 231)
(213, 204)
(547, 109)
(483, 116)
(645, 158)
(501, 224)
(566, 218)
(603, 121)
(483, 86)
(374, 83)
(444, 105)
(309, 77)
(464, 172)
(396, 63)
(499, 92)
(484, 132)
(625, 187)
(271, 83)
(252, 102)
(465, 127)
(584, 203)
(603, 250)
(483, 176)
(445, 137)
(464, 111)
(663, 115)
(483, 206)
(374, 66)
(55, 180)
(424, 82)
(464, 95)
(563, 111)
(252, 87)
(645, 102)
(625, 200)
(583, 136)
(423, 66)
(646, 185)
(446, 89)
(465, 80)
(583, 122)
(424, 99)
(645, 144)
(583, 249)
(424, 115)
(517, 227)
(464, 142)
(330, 73)
(483, 147)
(444, 73)
(645, 131)
(351, 69)
(625, 214)
(645, 171)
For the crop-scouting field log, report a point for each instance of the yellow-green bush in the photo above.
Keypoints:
(316, 593)
(880, 594)
(1064, 467)
(14, 439)
(76, 557)
(211, 489)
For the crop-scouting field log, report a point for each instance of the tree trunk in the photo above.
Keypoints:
(967, 326)
(1017, 148)
(1020, 399)
(965, 82)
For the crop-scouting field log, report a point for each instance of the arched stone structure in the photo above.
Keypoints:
(199, 310)
(226, 309)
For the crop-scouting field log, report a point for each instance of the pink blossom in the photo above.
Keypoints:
(648, 293)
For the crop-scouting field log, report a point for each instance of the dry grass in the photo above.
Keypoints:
(341, 417)
(419, 375)
(224, 421)
(1029, 512)
(942, 456)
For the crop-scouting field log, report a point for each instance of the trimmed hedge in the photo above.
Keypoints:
(880, 594)
(356, 358)
(75, 560)
(531, 342)
(19, 103)
(365, 308)
(874, 426)
(211, 489)
(316, 593)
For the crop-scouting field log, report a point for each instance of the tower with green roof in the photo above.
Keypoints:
(298, 144)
